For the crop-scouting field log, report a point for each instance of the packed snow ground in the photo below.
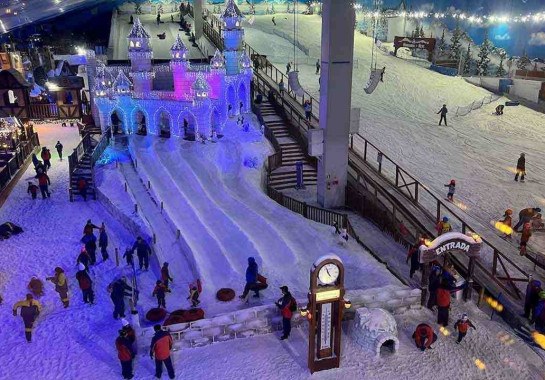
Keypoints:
(479, 150)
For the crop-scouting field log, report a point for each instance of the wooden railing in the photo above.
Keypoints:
(25, 149)
(43, 111)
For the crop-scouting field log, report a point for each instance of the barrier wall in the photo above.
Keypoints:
(444, 70)
(527, 89)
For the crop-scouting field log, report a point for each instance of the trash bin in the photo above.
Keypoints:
(459, 281)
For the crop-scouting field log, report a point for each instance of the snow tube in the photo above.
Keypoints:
(192, 315)
(7, 229)
(156, 314)
(225, 294)
(512, 103)
(372, 83)
(174, 319)
(178, 312)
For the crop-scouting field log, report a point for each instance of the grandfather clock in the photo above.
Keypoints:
(325, 308)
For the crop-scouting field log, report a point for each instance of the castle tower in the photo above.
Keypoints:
(233, 35)
(201, 107)
(140, 55)
(179, 65)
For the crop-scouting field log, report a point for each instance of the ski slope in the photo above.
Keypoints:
(479, 150)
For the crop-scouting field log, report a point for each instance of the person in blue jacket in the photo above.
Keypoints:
(143, 252)
(251, 278)
(103, 242)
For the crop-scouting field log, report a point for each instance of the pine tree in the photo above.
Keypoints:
(455, 42)
(501, 70)
(466, 70)
(523, 62)
(416, 31)
(484, 59)
(421, 31)
(442, 44)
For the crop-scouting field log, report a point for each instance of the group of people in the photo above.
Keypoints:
(529, 219)
(424, 336)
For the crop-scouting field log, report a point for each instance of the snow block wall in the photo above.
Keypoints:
(395, 299)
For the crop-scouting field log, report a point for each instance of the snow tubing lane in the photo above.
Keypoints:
(156, 314)
(225, 294)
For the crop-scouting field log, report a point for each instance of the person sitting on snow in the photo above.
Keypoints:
(424, 337)
(499, 109)
(462, 325)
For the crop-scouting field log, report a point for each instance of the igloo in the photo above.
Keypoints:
(374, 328)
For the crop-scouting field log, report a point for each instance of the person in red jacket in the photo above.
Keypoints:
(160, 347)
(46, 157)
(159, 292)
(165, 276)
(424, 336)
(443, 301)
(462, 325)
(82, 188)
(44, 182)
(287, 306)
(125, 354)
(32, 190)
(85, 284)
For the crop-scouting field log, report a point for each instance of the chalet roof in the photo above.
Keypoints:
(138, 30)
(15, 75)
(231, 10)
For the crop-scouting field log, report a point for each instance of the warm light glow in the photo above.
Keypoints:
(347, 304)
(480, 364)
(503, 228)
(444, 331)
(494, 304)
(539, 339)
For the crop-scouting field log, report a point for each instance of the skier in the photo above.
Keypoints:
(443, 111)
(507, 221)
(159, 291)
(59, 147)
(125, 354)
(194, 295)
(32, 190)
(462, 325)
(143, 251)
(165, 276)
(160, 347)
(451, 189)
(61, 285)
(434, 281)
(424, 337)
(44, 182)
(307, 106)
(85, 284)
(443, 301)
(526, 215)
(524, 237)
(46, 157)
(103, 242)
(521, 168)
(532, 297)
(443, 226)
(82, 188)
(36, 286)
(119, 289)
(318, 66)
(128, 255)
(288, 67)
(281, 87)
(30, 309)
(251, 278)
(287, 306)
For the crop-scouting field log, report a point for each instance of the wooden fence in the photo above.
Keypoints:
(20, 155)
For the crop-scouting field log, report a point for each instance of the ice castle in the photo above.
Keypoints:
(200, 99)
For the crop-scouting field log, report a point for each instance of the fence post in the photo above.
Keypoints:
(136, 208)
(365, 151)
(116, 257)
(494, 263)
(125, 186)
(178, 234)
(438, 210)
(397, 175)
(416, 192)
(161, 206)
(305, 209)
(149, 185)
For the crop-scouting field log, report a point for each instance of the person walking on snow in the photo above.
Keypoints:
(103, 242)
(443, 301)
(451, 189)
(129, 256)
(61, 285)
(273, 21)
(307, 106)
(119, 290)
(85, 284)
(125, 354)
(287, 306)
(434, 282)
(46, 157)
(525, 237)
(424, 337)
(414, 256)
(525, 216)
(318, 66)
(288, 67)
(160, 347)
(32, 190)
(82, 188)
(89, 227)
(131, 334)
(143, 251)
(44, 182)
(59, 147)
(30, 309)
(531, 298)
(251, 278)
(443, 111)
(521, 168)
(165, 276)
(160, 291)
(462, 325)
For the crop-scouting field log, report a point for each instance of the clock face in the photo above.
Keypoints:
(328, 274)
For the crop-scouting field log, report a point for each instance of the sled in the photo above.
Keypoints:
(294, 85)
(512, 103)
(372, 83)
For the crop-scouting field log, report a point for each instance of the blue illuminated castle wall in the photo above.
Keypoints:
(202, 98)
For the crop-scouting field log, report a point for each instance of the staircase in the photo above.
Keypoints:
(83, 168)
(285, 176)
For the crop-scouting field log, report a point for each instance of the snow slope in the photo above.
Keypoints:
(479, 150)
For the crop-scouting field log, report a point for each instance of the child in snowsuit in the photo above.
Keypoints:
(443, 301)
(61, 285)
(194, 295)
(424, 336)
(44, 182)
(128, 255)
(451, 188)
(32, 190)
(462, 325)
(30, 309)
(524, 237)
(160, 291)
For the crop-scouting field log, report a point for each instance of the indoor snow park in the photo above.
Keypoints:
(272, 189)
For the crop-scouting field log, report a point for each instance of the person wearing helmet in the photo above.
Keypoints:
(526, 215)
(532, 297)
(451, 188)
(443, 111)
(462, 325)
(507, 221)
(525, 236)
(521, 168)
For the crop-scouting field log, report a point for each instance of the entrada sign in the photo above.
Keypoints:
(459, 245)
(450, 242)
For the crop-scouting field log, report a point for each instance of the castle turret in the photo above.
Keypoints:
(179, 66)
(122, 84)
(201, 107)
(140, 55)
(233, 35)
